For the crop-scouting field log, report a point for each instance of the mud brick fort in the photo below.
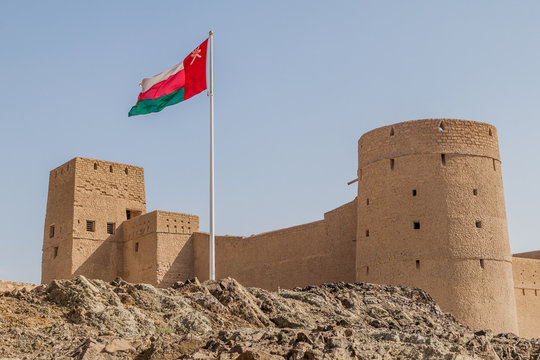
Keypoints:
(429, 213)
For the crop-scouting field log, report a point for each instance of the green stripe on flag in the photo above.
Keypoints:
(146, 106)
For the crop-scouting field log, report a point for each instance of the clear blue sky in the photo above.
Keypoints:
(296, 83)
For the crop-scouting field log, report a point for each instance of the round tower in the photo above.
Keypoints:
(431, 214)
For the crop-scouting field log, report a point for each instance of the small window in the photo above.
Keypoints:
(443, 159)
(482, 265)
(51, 231)
(490, 132)
(367, 270)
(392, 164)
(90, 225)
(475, 192)
(95, 166)
(418, 264)
(367, 201)
(441, 126)
(523, 291)
(110, 168)
(414, 192)
(126, 171)
(128, 214)
(479, 224)
(55, 252)
(392, 132)
(136, 247)
(416, 225)
(535, 292)
(494, 165)
(367, 233)
(110, 228)
(168, 228)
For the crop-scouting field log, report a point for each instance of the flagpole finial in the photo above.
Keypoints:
(210, 32)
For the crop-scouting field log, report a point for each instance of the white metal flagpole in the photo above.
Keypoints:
(212, 260)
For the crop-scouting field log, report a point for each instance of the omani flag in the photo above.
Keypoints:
(173, 85)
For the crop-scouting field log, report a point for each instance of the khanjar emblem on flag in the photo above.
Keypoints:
(173, 85)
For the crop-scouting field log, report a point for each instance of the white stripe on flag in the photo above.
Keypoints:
(147, 83)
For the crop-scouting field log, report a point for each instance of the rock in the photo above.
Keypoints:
(93, 319)
(117, 345)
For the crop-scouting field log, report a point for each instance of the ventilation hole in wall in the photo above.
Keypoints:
(90, 225)
(95, 166)
(167, 227)
(55, 252)
(367, 233)
(479, 224)
(490, 132)
(392, 132)
(110, 168)
(523, 291)
(482, 265)
(128, 214)
(51, 231)
(441, 126)
(367, 270)
(126, 171)
(175, 229)
(475, 192)
(182, 229)
(418, 264)
(494, 167)
(136, 247)
(443, 159)
(416, 225)
(110, 228)
(414, 192)
(367, 201)
(392, 164)
(189, 229)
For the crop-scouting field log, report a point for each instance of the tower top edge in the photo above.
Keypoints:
(97, 161)
(428, 121)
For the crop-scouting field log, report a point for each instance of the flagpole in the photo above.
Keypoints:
(212, 270)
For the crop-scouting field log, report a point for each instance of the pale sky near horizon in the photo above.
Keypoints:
(296, 84)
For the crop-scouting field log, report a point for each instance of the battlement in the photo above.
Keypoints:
(428, 136)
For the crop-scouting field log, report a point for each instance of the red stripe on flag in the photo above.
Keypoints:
(195, 68)
(165, 87)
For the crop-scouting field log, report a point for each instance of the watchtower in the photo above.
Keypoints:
(87, 202)
(431, 214)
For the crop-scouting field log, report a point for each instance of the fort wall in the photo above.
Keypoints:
(314, 253)
(175, 259)
(527, 292)
(431, 214)
(106, 194)
(56, 260)
(140, 249)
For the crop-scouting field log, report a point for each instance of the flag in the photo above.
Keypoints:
(173, 85)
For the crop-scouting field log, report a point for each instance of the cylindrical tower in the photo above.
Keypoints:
(431, 214)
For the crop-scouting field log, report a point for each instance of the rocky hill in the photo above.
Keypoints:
(92, 319)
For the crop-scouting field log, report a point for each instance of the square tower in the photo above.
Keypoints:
(87, 203)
